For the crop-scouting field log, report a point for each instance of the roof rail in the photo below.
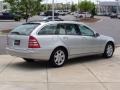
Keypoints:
(38, 21)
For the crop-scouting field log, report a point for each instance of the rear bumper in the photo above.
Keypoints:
(40, 54)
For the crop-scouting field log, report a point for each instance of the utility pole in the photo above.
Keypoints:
(78, 6)
(53, 10)
(46, 5)
(117, 6)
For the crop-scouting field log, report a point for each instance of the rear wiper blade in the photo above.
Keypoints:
(15, 33)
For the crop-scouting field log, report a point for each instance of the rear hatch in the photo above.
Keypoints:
(19, 37)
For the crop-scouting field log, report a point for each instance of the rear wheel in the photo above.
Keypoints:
(58, 57)
(28, 60)
(109, 49)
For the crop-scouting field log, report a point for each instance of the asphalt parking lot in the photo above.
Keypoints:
(85, 73)
(109, 27)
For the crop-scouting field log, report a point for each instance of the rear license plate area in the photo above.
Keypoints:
(17, 42)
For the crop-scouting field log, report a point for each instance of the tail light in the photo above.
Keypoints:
(33, 43)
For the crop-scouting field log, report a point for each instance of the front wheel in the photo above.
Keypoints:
(58, 57)
(109, 49)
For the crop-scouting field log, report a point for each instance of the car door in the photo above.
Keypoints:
(47, 36)
(92, 44)
(70, 35)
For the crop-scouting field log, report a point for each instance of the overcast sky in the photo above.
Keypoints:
(64, 1)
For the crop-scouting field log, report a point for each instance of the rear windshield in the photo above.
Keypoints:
(24, 29)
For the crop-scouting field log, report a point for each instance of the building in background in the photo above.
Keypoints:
(108, 7)
(4, 6)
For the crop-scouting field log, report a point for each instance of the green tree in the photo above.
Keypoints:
(44, 7)
(73, 7)
(27, 8)
(93, 12)
(87, 6)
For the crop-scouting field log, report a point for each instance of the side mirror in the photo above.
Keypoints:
(97, 34)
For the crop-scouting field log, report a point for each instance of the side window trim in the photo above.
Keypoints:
(88, 29)
(57, 32)
(75, 27)
(44, 27)
(77, 30)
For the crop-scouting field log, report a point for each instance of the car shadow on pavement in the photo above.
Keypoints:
(44, 64)
(85, 59)
(30, 65)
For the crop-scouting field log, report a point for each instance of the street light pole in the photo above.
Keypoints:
(53, 10)
(78, 6)
(46, 7)
(117, 6)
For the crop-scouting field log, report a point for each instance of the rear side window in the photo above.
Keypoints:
(24, 29)
(85, 31)
(72, 29)
(61, 29)
(48, 30)
(67, 29)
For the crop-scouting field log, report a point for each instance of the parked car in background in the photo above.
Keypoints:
(82, 14)
(42, 14)
(10, 16)
(66, 12)
(118, 16)
(113, 15)
(57, 41)
(61, 13)
(56, 18)
(49, 13)
(72, 13)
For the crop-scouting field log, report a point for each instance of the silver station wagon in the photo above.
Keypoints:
(57, 41)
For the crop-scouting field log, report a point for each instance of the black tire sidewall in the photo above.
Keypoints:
(52, 61)
(105, 52)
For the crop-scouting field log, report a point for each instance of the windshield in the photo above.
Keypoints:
(24, 29)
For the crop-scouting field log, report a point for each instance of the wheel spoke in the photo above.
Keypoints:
(109, 50)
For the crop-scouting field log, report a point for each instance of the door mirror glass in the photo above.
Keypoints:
(97, 35)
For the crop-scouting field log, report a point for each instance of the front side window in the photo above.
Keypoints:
(48, 30)
(85, 31)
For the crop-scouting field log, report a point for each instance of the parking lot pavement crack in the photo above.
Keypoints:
(95, 76)
(7, 65)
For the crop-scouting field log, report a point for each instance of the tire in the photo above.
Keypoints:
(28, 60)
(109, 50)
(58, 57)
